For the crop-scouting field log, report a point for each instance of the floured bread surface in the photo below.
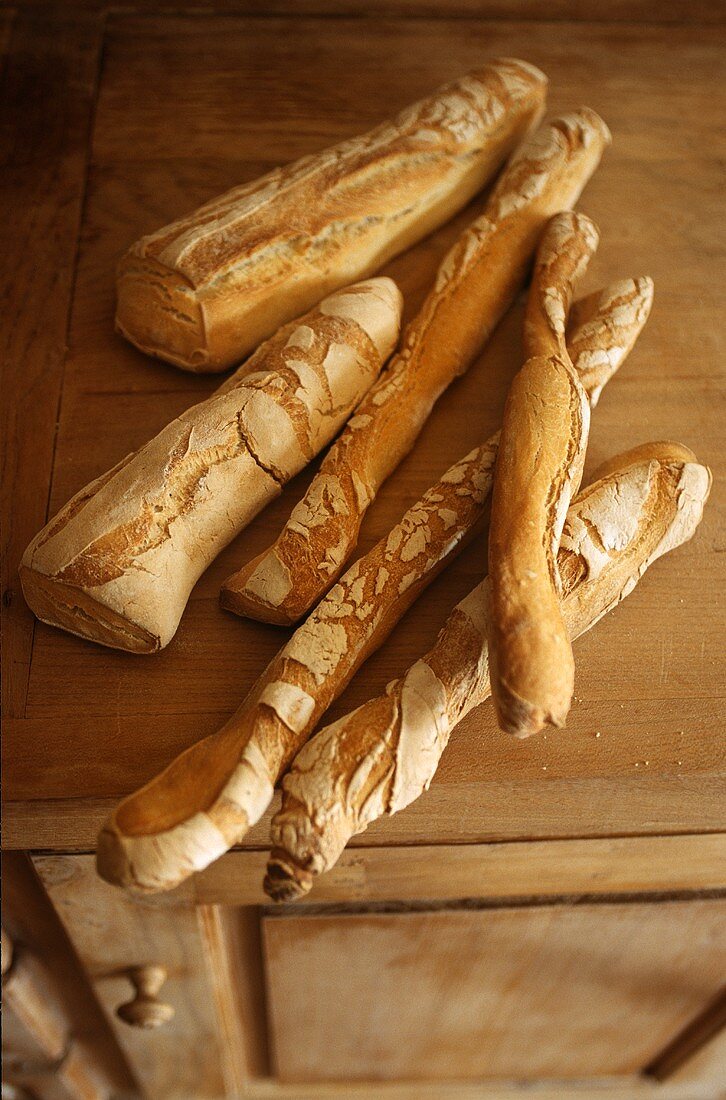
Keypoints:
(379, 758)
(203, 291)
(117, 564)
(475, 284)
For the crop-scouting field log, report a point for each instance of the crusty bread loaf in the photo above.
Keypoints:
(117, 564)
(207, 799)
(202, 292)
(539, 466)
(383, 755)
(476, 283)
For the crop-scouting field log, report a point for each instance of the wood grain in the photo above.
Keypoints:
(628, 11)
(690, 1048)
(617, 866)
(533, 993)
(111, 934)
(627, 865)
(650, 681)
(35, 928)
(232, 948)
(623, 1088)
(44, 153)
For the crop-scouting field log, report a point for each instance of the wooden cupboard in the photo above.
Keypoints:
(610, 988)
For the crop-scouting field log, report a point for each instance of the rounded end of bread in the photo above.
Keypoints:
(71, 608)
(236, 596)
(157, 310)
(514, 69)
(375, 305)
(111, 862)
(585, 125)
(285, 880)
(661, 450)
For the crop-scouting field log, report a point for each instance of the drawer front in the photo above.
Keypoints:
(551, 991)
(113, 934)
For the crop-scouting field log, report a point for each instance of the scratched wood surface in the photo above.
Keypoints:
(165, 111)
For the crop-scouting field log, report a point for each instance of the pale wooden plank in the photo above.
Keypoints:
(555, 868)
(532, 993)
(231, 940)
(633, 1088)
(452, 813)
(626, 865)
(112, 933)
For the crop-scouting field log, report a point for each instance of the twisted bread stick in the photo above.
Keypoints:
(475, 284)
(206, 800)
(539, 467)
(118, 562)
(383, 755)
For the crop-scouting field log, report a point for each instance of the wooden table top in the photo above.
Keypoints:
(131, 119)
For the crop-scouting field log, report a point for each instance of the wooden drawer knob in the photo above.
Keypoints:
(145, 1010)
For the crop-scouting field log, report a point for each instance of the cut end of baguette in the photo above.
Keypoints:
(234, 597)
(522, 719)
(158, 311)
(70, 608)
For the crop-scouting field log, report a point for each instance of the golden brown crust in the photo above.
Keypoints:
(662, 450)
(382, 756)
(209, 796)
(626, 304)
(475, 284)
(539, 467)
(203, 291)
(117, 564)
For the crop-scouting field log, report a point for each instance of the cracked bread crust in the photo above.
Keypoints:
(475, 284)
(118, 563)
(179, 823)
(539, 467)
(382, 756)
(204, 290)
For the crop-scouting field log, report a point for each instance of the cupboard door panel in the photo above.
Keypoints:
(112, 933)
(541, 992)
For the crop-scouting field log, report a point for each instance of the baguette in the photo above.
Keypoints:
(384, 755)
(207, 799)
(539, 467)
(118, 563)
(203, 291)
(476, 283)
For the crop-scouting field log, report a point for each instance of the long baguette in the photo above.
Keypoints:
(207, 799)
(539, 467)
(476, 283)
(383, 755)
(202, 292)
(117, 564)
